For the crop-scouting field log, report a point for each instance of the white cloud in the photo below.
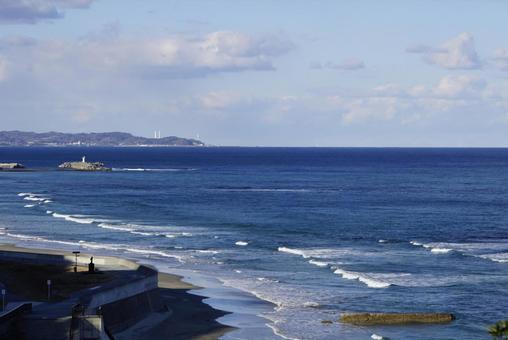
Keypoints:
(3, 69)
(501, 58)
(358, 110)
(456, 53)
(32, 11)
(346, 64)
(175, 56)
(460, 87)
(408, 104)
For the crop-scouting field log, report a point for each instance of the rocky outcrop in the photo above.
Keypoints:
(395, 318)
(11, 166)
(84, 166)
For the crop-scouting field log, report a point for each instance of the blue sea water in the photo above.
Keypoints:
(314, 232)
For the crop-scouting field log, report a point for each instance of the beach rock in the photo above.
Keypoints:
(84, 166)
(326, 322)
(11, 166)
(395, 318)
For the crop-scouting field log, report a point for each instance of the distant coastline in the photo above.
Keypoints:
(108, 139)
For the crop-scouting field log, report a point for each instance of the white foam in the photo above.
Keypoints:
(48, 201)
(49, 212)
(113, 227)
(153, 252)
(23, 194)
(293, 251)
(476, 249)
(92, 245)
(33, 198)
(319, 263)
(382, 241)
(29, 205)
(264, 190)
(364, 278)
(434, 247)
(311, 304)
(376, 337)
(153, 170)
(74, 218)
(496, 257)
(277, 332)
(441, 250)
(320, 253)
(265, 279)
(241, 243)
(144, 233)
(207, 251)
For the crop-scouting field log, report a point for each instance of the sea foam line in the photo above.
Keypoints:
(93, 245)
(75, 219)
(370, 282)
(433, 247)
(153, 170)
(319, 263)
(293, 251)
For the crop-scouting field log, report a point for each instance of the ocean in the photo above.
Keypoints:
(286, 237)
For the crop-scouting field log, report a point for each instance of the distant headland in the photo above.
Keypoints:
(120, 139)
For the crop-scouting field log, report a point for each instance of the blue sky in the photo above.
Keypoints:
(279, 72)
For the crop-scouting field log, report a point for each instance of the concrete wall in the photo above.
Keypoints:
(10, 319)
(120, 315)
(148, 276)
(120, 292)
(65, 258)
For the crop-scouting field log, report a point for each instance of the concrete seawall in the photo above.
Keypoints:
(144, 277)
(44, 256)
(120, 292)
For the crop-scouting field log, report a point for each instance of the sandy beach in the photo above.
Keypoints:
(184, 316)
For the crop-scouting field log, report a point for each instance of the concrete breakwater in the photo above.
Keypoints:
(395, 318)
(84, 166)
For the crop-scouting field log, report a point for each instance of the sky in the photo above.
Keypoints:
(260, 72)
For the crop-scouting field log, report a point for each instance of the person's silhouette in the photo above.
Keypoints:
(91, 266)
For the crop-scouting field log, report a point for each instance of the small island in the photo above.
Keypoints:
(84, 166)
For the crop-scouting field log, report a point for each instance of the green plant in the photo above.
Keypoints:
(499, 330)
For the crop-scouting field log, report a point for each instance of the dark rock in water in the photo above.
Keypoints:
(84, 166)
(11, 166)
(395, 318)
(326, 322)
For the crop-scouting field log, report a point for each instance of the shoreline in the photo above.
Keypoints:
(188, 315)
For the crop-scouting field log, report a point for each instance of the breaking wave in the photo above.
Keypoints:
(494, 251)
(94, 245)
(154, 170)
(364, 278)
(75, 219)
(319, 263)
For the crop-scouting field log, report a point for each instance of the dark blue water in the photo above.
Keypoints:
(315, 231)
